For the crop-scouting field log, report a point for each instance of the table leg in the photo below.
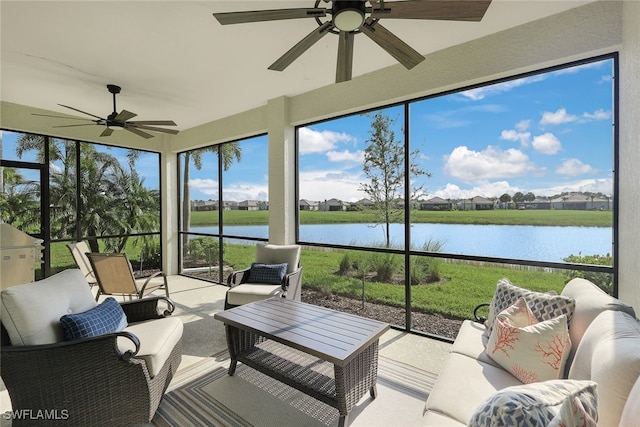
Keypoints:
(232, 367)
(373, 392)
(343, 421)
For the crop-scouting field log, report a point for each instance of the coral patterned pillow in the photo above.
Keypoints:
(531, 351)
(577, 411)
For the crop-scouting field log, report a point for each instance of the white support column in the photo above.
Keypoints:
(170, 207)
(282, 203)
(629, 173)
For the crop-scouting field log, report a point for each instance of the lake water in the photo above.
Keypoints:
(538, 243)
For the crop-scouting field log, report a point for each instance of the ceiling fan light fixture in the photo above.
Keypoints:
(348, 15)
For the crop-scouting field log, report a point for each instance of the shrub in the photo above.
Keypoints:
(384, 264)
(204, 247)
(603, 280)
(345, 264)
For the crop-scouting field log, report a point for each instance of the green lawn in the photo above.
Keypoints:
(496, 217)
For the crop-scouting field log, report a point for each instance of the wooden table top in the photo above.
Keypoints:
(328, 334)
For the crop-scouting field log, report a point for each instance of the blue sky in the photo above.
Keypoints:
(546, 134)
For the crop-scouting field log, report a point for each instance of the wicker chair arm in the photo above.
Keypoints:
(146, 309)
(71, 349)
(238, 277)
(478, 318)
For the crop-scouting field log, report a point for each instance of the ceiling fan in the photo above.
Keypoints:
(115, 120)
(349, 18)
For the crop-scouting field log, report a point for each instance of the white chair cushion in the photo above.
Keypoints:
(277, 254)
(251, 292)
(157, 338)
(31, 312)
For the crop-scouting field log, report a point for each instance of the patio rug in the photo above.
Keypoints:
(203, 394)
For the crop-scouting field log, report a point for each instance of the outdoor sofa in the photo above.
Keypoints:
(598, 382)
(115, 378)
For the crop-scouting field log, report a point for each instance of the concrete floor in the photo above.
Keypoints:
(197, 302)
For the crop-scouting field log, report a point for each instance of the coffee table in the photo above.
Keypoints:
(329, 355)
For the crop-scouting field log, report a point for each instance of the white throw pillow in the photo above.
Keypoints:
(530, 350)
(533, 404)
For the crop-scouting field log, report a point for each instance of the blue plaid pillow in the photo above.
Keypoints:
(104, 318)
(267, 273)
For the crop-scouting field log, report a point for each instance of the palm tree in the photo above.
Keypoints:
(230, 151)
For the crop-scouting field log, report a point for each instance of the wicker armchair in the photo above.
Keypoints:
(93, 381)
(244, 289)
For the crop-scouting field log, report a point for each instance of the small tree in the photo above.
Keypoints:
(505, 199)
(384, 166)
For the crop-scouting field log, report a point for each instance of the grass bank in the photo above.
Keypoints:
(489, 217)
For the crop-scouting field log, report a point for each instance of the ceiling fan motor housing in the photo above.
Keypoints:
(348, 15)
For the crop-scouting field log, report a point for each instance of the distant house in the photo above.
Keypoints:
(364, 203)
(204, 205)
(332, 205)
(249, 205)
(308, 205)
(539, 203)
(476, 203)
(580, 201)
(435, 204)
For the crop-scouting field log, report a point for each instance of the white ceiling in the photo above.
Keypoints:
(174, 61)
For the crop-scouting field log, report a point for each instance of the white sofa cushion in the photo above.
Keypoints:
(157, 338)
(463, 384)
(609, 354)
(251, 292)
(31, 312)
(631, 413)
(472, 341)
(590, 301)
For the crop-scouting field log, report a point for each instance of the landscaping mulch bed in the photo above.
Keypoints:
(423, 322)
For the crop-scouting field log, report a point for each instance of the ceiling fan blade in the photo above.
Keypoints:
(401, 51)
(106, 132)
(292, 54)
(80, 111)
(155, 129)
(138, 132)
(72, 126)
(154, 122)
(226, 18)
(60, 117)
(450, 10)
(124, 116)
(345, 56)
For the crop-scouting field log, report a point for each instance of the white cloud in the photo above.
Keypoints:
(514, 135)
(487, 189)
(547, 143)
(208, 187)
(559, 117)
(346, 156)
(600, 185)
(598, 115)
(574, 167)
(491, 163)
(523, 125)
(496, 89)
(311, 141)
(326, 184)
